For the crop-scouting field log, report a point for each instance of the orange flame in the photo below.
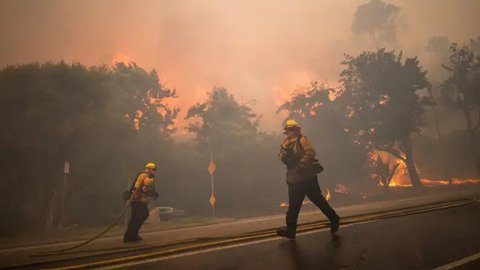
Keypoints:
(121, 58)
(454, 181)
(136, 120)
(285, 204)
(401, 177)
(327, 195)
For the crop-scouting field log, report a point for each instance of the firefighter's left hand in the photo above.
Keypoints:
(303, 164)
(155, 195)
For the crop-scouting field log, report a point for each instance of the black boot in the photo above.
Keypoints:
(334, 224)
(127, 239)
(290, 234)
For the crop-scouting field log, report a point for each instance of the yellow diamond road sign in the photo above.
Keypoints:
(211, 167)
(212, 200)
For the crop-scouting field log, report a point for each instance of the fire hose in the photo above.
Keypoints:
(63, 250)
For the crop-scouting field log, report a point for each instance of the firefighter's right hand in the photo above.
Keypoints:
(155, 195)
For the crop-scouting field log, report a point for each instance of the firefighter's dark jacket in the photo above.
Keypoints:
(296, 153)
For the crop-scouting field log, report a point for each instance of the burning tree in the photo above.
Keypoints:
(381, 104)
(382, 172)
(142, 98)
(461, 91)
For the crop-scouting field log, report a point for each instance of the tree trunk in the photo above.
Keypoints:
(392, 173)
(435, 117)
(477, 164)
(473, 143)
(412, 170)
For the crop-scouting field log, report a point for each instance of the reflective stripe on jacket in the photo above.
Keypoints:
(144, 185)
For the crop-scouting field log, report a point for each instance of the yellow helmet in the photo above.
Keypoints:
(150, 165)
(291, 123)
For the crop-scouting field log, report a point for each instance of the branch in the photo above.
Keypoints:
(392, 173)
(397, 155)
(394, 153)
(478, 124)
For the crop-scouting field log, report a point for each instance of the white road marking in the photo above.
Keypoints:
(190, 253)
(460, 262)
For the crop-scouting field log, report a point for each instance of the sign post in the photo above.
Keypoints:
(66, 171)
(211, 170)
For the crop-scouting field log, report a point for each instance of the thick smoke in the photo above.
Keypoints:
(259, 50)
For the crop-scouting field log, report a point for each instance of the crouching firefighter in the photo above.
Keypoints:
(141, 190)
(298, 155)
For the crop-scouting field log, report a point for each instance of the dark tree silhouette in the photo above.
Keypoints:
(439, 45)
(461, 91)
(57, 112)
(377, 19)
(223, 124)
(245, 157)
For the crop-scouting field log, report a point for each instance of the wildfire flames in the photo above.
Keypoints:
(454, 181)
(401, 179)
(121, 58)
(328, 196)
(136, 120)
(285, 204)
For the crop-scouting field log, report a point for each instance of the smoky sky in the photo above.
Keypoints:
(260, 50)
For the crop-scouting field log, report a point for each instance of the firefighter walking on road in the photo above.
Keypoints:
(142, 189)
(298, 155)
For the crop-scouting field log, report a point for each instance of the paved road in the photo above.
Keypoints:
(405, 241)
(422, 241)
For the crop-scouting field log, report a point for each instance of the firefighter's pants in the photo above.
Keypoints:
(296, 195)
(139, 215)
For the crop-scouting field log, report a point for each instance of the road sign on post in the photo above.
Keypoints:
(211, 167)
(211, 170)
(212, 200)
